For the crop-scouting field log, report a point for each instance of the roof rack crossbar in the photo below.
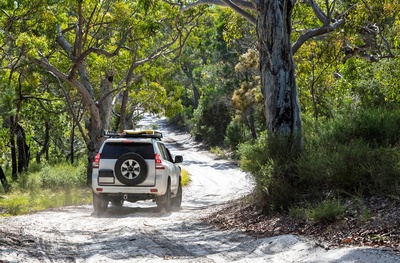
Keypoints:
(132, 134)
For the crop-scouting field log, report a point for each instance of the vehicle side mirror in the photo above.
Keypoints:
(178, 159)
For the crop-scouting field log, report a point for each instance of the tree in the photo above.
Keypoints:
(273, 21)
(93, 51)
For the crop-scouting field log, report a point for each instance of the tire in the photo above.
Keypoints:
(131, 169)
(100, 203)
(177, 200)
(165, 201)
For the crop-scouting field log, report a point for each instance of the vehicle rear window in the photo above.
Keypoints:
(113, 150)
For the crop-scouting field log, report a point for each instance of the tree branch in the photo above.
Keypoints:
(77, 122)
(315, 32)
(86, 96)
(240, 3)
(239, 6)
(249, 17)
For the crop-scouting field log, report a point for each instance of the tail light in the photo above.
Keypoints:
(96, 161)
(158, 160)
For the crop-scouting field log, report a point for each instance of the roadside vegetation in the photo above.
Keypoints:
(45, 187)
(350, 156)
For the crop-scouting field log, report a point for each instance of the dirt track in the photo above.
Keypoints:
(140, 233)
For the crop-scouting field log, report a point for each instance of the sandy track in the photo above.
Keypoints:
(140, 233)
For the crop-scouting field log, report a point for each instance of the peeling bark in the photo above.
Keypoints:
(281, 105)
(105, 104)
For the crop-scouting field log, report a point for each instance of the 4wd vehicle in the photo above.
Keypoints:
(133, 166)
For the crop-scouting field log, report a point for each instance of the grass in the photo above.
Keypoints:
(46, 187)
(324, 212)
(18, 202)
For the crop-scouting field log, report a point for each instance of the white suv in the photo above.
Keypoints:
(133, 166)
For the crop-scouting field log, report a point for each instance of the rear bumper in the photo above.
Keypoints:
(158, 189)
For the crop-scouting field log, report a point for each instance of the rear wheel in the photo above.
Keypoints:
(100, 203)
(165, 200)
(177, 200)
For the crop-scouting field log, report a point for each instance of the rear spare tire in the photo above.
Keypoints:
(131, 169)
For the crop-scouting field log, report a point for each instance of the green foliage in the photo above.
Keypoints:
(372, 85)
(324, 212)
(24, 202)
(327, 211)
(272, 171)
(53, 177)
(357, 152)
(211, 119)
(236, 133)
(48, 187)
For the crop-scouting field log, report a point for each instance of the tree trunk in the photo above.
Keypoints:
(124, 103)
(45, 145)
(23, 150)
(252, 124)
(281, 105)
(71, 141)
(3, 180)
(94, 132)
(105, 103)
(14, 171)
(189, 74)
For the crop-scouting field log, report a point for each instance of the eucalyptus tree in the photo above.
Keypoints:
(95, 50)
(277, 43)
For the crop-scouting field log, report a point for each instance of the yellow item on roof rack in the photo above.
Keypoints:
(148, 132)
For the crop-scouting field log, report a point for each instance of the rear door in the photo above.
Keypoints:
(115, 150)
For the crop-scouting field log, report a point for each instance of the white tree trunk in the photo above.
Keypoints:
(281, 105)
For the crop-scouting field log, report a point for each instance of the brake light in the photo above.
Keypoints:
(96, 161)
(158, 160)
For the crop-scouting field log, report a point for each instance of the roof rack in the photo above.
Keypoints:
(133, 134)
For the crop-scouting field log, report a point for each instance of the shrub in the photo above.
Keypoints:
(327, 211)
(185, 177)
(273, 171)
(63, 175)
(353, 154)
(347, 159)
(236, 133)
(211, 118)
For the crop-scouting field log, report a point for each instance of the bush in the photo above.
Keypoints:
(63, 175)
(268, 162)
(327, 211)
(211, 118)
(236, 133)
(353, 154)
(376, 127)
(347, 159)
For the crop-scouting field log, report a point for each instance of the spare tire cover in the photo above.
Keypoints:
(131, 169)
